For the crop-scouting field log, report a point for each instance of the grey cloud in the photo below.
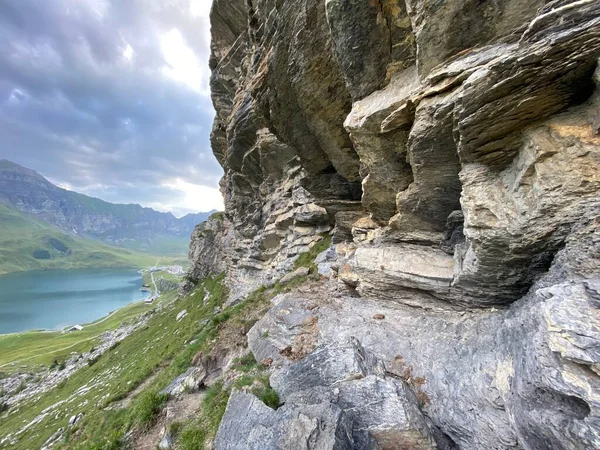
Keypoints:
(73, 108)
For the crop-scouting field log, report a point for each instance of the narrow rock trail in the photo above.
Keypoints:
(179, 409)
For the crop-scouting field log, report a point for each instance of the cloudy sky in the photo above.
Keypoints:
(110, 98)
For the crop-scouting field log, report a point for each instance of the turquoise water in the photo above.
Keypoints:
(54, 299)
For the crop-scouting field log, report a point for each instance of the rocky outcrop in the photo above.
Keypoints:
(521, 378)
(451, 149)
(337, 397)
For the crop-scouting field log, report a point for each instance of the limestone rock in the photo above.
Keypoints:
(451, 149)
(189, 381)
(325, 367)
(381, 270)
(382, 410)
(288, 327)
(298, 273)
(166, 442)
(340, 387)
(250, 425)
(445, 29)
(361, 36)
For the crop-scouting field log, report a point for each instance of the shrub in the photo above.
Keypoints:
(22, 386)
(192, 437)
(59, 246)
(220, 215)
(42, 254)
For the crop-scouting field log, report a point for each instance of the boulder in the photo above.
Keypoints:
(298, 273)
(189, 381)
(250, 425)
(383, 410)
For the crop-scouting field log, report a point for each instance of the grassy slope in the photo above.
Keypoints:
(162, 274)
(20, 236)
(34, 348)
(119, 371)
(160, 245)
(165, 348)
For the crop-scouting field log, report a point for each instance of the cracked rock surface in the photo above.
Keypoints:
(451, 149)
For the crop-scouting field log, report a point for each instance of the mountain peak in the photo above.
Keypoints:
(6, 164)
(131, 226)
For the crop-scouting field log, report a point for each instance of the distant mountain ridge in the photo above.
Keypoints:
(131, 226)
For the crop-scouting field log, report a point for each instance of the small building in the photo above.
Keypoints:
(75, 328)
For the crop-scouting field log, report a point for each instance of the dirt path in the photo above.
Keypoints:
(126, 402)
(180, 409)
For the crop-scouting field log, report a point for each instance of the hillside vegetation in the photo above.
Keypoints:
(119, 395)
(30, 244)
(130, 226)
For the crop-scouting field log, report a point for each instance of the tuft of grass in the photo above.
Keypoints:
(260, 387)
(175, 428)
(269, 397)
(307, 259)
(221, 318)
(148, 407)
(214, 405)
(20, 388)
(192, 437)
(246, 363)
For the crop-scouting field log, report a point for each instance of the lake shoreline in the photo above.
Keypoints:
(52, 301)
(64, 330)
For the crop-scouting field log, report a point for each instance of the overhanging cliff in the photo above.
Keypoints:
(451, 149)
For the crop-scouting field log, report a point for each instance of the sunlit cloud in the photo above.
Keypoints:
(194, 197)
(128, 52)
(183, 64)
(111, 98)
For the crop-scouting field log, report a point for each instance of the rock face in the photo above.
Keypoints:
(452, 150)
(338, 397)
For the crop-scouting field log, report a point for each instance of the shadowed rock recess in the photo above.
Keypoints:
(451, 149)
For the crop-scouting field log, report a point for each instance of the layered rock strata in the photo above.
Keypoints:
(452, 151)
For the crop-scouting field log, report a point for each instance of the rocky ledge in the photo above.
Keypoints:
(451, 149)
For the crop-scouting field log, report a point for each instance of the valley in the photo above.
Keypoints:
(26, 196)
(31, 244)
